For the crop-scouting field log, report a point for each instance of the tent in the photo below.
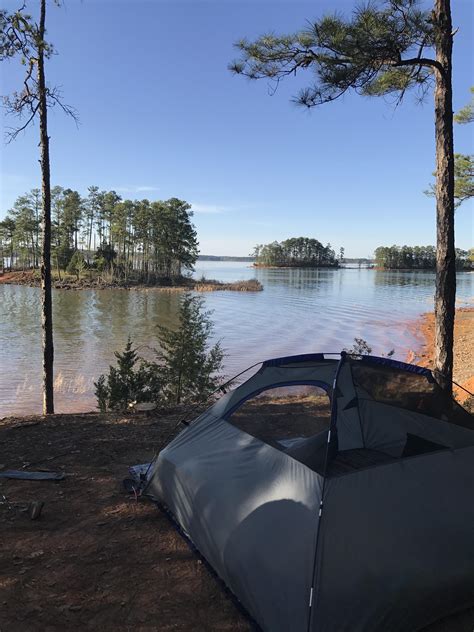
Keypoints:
(366, 524)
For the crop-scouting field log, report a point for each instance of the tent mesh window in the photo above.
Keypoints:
(408, 390)
(284, 413)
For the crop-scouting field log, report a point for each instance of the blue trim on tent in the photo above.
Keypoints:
(326, 387)
(319, 357)
(305, 357)
(396, 364)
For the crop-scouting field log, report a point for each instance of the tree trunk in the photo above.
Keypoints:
(445, 251)
(37, 234)
(46, 299)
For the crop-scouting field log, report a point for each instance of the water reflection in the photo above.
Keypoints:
(298, 311)
(403, 278)
(297, 278)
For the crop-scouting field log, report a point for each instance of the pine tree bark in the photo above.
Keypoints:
(445, 294)
(46, 298)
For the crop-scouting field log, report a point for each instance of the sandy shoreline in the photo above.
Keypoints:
(463, 347)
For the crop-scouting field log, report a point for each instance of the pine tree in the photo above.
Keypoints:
(132, 381)
(383, 49)
(77, 264)
(189, 371)
(23, 38)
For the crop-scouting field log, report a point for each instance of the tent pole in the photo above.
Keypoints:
(314, 590)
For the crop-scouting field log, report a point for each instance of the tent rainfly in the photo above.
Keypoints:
(365, 525)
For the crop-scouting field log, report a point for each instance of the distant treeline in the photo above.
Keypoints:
(127, 238)
(417, 258)
(223, 258)
(297, 252)
(358, 260)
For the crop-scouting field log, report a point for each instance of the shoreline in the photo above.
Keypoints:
(30, 279)
(463, 372)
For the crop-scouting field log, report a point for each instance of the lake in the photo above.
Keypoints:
(299, 311)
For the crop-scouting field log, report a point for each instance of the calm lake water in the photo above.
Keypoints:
(299, 311)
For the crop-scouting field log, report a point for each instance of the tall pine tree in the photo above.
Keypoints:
(384, 48)
(23, 38)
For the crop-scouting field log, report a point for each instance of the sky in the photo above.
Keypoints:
(161, 116)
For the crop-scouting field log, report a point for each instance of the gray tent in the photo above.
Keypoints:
(365, 525)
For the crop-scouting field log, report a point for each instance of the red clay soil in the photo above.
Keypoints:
(9, 277)
(463, 348)
(96, 559)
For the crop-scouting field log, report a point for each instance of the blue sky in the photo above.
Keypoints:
(161, 116)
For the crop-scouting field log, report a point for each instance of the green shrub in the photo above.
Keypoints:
(186, 371)
(63, 255)
(77, 264)
(188, 368)
(132, 381)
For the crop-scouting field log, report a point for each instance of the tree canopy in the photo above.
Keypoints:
(378, 50)
(464, 163)
(22, 37)
(463, 177)
(466, 113)
(148, 239)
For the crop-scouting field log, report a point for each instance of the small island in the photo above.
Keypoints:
(102, 241)
(417, 258)
(296, 252)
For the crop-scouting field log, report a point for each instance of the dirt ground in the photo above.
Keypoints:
(282, 417)
(463, 347)
(96, 559)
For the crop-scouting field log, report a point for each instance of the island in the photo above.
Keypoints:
(296, 252)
